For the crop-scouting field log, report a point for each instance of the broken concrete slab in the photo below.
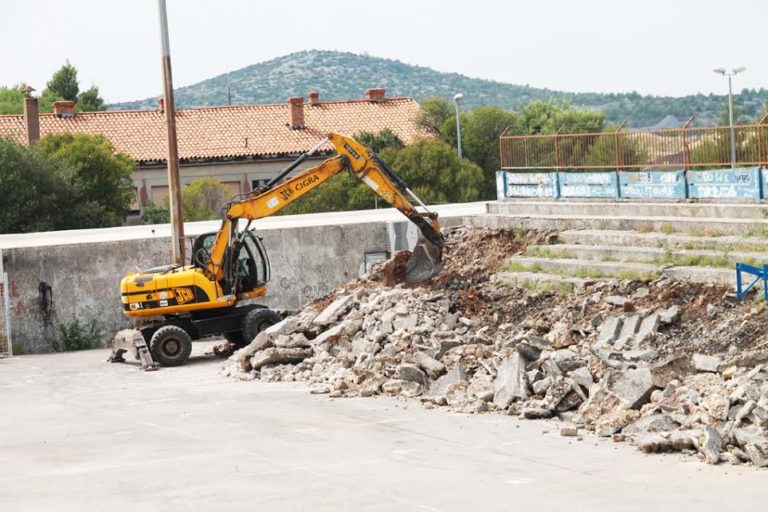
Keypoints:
(609, 331)
(648, 326)
(412, 373)
(668, 441)
(705, 363)
(333, 310)
(441, 385)
(651, 423)
(433, 367)
(629, 328)
(616, 300)
(711, 445)
(634, 387)
(510, 382)
(669, 315)
(277, 355)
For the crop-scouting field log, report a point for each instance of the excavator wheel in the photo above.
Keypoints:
(171, 345)
(256, 321)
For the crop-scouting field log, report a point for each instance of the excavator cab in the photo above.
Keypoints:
(249, 271)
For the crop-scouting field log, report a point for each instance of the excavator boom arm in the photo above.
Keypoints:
(364, 165)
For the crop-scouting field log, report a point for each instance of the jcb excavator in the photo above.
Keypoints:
(178, 304)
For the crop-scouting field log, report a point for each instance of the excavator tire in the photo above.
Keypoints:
(171, 345)
(256, 321)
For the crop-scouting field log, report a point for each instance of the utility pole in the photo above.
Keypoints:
(456, 100)
(730, 74)
(174, 189)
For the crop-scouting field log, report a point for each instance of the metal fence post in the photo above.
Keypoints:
(762, 156)
(686, 148)
(6, 308)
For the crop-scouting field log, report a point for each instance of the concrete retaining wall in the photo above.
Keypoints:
(54, 284)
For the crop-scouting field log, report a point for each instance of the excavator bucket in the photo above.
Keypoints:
(426, 261)
(131, 340)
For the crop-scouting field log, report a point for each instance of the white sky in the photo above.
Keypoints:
(666, 47)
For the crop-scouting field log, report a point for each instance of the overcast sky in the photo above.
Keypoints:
(666, 47)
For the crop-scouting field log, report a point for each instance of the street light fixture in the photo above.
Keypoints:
(729, 74)
(456, 99)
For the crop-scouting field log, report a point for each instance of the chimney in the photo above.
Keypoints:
(314, 98)
(31, 120)
(161, 104)
(376, 95)
(64, 108)
(296, 107)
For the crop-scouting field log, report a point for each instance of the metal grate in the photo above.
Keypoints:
(5, 319)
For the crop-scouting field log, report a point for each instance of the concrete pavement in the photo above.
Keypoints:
(80, 434)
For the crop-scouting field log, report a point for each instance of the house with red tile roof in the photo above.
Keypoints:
(243, 145)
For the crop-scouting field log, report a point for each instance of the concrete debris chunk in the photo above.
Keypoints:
(433, 367)
(670, 315)
(276, 355)
(647, 327)
(510, 382)
(634, 387)
(616, 300)
(711, 444)
(668, 441)
(651, 423)
(609, 331)
(632, 370)
(440, 386)
(333, 310)
(412, 373)
(705, 363)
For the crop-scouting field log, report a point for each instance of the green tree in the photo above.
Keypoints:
(548, 116)
(386, 138)
(154, 214)
(203, 199)
(430, 167)
(32, 186)
(12, 99)
(480, 131)
(90, 101)
(434, 112)
(100, 177)
(63, 84)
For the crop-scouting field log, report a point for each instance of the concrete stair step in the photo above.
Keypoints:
(709, 226)
(622, 270)
(541, 280)
(588, 207)
(585, 268)
(656, 255)
(672, 240)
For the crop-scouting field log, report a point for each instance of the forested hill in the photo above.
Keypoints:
(339, 75)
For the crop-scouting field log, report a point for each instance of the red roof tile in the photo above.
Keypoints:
(231, 132)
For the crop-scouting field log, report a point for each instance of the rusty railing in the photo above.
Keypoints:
(679, 148)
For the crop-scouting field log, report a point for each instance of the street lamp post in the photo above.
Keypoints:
(456, 99)
(729, 74)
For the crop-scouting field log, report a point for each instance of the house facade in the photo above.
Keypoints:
(243, 146)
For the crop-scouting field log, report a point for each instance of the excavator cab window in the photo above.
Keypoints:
(258, 257)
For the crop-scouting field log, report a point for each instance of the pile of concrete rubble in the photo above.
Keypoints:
(616, 358)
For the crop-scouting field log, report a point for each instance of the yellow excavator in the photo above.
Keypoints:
(178, 304)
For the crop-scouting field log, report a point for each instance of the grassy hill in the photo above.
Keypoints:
(339, 75)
